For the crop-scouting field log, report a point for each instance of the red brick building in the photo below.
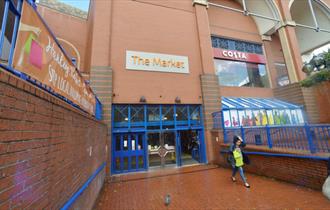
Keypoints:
(168, 57)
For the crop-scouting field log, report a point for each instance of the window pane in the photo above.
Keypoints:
(168, 113)
(234, 118)
(242, 118)
(117, 163)
(277, 118)
(153, 113)
(263, 116)
(137, 113)
(121, 113)
(226, 119)
(140, 142)
(238, 74)
(125, 142)
(270, 117)
(300, 116)
(8, 34)
(195, 114)
(282, 77)
(256, 118)
(133, 162)
(133, 142)
(181, 113)
(118, 143)
(141, 162)
(249, 116)
(231, 73)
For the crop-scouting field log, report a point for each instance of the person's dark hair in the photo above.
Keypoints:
(236, 139)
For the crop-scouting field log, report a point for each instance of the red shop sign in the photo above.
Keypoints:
(238, 56)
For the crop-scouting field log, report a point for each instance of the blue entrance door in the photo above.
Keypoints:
(128, 152)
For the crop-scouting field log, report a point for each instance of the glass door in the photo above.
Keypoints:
(162, 148)
(154, 147)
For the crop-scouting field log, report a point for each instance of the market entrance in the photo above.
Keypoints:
(156, 136)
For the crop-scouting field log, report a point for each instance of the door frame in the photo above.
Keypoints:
(201, 145)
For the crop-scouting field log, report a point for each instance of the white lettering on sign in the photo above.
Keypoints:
(234, 54)
(156, 62)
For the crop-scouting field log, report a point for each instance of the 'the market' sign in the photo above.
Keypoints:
(156, 62)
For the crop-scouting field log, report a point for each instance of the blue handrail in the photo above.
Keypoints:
(308, 137)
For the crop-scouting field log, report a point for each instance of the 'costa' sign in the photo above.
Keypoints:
(238, 56)
(234, 54)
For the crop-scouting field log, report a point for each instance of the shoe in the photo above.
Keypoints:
(233, 179)
(246, 185)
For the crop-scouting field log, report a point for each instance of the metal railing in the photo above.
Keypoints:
(314, 138)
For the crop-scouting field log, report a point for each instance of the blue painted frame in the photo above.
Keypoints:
(128, 128)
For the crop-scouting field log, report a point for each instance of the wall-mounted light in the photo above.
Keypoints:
(143, 99)
(177, 100)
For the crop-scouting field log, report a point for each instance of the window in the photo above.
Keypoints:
(241, 46)
(8, 28)
(240, 74)
(282, 78)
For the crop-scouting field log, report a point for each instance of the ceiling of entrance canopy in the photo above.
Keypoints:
(310, 39)
(266, 8)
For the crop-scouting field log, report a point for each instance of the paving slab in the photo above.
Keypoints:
(205, 187)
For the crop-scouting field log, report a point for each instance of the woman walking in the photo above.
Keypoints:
(237, 159)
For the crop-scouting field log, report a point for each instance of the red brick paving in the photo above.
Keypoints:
(206, 188)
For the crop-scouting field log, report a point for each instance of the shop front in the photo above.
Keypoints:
(156, 136)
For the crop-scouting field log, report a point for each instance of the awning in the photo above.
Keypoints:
(256, 103)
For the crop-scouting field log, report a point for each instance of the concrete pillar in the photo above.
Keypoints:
(271, 69)
(290, 44)
(209, 80)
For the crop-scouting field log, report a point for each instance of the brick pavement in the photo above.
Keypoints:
(205, 188)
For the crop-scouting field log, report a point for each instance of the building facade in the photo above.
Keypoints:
(162, 68)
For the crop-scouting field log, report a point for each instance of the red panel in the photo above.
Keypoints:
(238, 56)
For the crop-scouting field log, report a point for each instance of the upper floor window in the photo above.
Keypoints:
(241, 74)
(241, 46)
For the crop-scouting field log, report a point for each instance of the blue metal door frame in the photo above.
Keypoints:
(140, 126)
(129, 153)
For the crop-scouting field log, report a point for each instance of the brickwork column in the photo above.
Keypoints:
(101, 71)
(209, 81)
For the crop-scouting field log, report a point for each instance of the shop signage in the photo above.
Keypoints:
(156, 62)
(238, 56)
(38, 55)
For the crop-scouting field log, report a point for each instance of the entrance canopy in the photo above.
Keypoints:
(259, 112)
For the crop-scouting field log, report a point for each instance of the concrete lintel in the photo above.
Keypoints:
(201, 2)
(266, 38)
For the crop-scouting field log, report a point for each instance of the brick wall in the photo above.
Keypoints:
(296, 94)
(48, 149)
(305, 172)
(322, 94)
